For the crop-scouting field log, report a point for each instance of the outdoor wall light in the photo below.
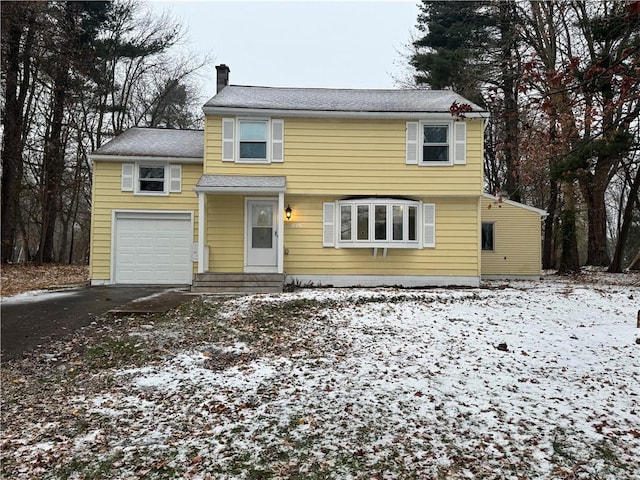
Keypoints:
(288, 212)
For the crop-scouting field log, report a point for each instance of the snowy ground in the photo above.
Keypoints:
(517, 381)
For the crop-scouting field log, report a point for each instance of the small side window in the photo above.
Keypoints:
(488, 237)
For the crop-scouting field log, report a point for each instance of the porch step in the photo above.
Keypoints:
(238, 283)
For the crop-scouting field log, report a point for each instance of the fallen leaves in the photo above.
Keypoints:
(28, 277)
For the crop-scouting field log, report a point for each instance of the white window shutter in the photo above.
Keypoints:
(460, 157)
(328, 224)
(127, 177)
(175, 178)
(277, 141)
(228, 139)
(412, 143)
(429, 237)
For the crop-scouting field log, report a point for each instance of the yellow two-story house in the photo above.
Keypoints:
(310, 187)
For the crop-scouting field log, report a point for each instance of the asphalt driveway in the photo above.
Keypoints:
(32, 319)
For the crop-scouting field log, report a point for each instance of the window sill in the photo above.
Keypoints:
(436, 164)
(256, 161)
(151, 194)
(385, 245)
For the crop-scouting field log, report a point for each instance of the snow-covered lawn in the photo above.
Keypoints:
(522, 380)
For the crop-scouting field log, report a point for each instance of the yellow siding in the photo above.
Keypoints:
(517, 243)
(455, 253)
(354, 157)
(225, 233)
(106, 197)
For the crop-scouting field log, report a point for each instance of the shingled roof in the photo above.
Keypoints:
(335, 100)
(156, 143)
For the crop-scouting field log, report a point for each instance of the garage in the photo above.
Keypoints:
(153, 248)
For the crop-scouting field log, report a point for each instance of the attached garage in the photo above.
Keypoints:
(152, 248)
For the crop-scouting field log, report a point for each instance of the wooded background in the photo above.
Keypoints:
(561, 80)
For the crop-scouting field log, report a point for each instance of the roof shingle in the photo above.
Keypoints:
(336, 100)
(155, 142)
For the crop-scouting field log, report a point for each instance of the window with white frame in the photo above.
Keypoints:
(436, 143)
(151, 178)
(383, 222)
(436, 140)
(252, 140)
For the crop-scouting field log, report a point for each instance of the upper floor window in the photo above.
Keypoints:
(252, 140)
(435, 143)
(151, 178)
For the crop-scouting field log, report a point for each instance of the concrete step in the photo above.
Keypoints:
(242, 283)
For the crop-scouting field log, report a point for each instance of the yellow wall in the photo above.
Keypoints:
(517, 241)
(225, 233)
(355, 157)
(106, 197)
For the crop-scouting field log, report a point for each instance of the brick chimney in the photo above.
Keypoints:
(222, 76)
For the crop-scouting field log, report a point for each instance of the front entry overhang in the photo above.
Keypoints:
(239, 185)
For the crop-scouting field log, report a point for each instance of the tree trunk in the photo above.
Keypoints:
(11, 142)
(569, 258)
(616, 264)
(511, 150)
(593, 189)
(53, 166)
(548, 258)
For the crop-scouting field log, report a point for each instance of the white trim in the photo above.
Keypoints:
(230, 141)
(173, 168)
(542, 213)
(459, 143)
(384, 280)
(235, 190)
(412, 133)
(151, 164)
(127, 177)
(114, 214)
(267, 141)
(371, 242)
(450, 143)
(333, 114)
(426, 208)
(143, 158)
(99, 283)
(329, 217)
(253, 269)
(202, 222)
(277, 140)
(280, 233)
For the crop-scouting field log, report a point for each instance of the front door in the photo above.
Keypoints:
(261, 236)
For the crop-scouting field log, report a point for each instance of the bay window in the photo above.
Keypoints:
(379, 222)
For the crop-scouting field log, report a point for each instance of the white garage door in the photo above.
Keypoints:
(153, 248)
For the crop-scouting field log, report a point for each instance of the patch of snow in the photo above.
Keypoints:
(39, 295)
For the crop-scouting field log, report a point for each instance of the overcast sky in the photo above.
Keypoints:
(333, 44)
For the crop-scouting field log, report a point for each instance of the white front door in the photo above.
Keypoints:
(262, 235)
